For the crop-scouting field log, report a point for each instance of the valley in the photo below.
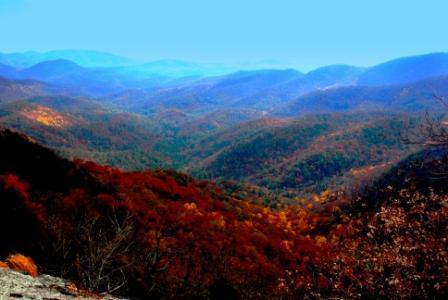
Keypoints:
(172, 179)
(283, 130)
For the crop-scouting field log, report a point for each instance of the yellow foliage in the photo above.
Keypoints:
(322, 197)
(320, 240)
(282, 216)
(221, 222)
(190, 206)
(46, 116)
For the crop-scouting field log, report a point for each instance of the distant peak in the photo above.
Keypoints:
(61, 62)
(57, 65)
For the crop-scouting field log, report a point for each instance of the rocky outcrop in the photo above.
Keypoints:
(15, 285)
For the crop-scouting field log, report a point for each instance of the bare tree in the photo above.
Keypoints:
(151, 259)
(433, 132)
(104, 254)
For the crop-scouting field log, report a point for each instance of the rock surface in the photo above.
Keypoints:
(15, 285)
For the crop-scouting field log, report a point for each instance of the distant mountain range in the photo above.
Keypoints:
(91, 82)
(248, 124)
(163, 67)
(409, 97)
(185, 84)
(274, 90)
(405, 70)
(81, 57)
(154, 88)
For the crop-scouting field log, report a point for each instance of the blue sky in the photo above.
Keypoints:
(307, 33)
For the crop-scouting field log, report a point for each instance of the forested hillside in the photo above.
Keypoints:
(167, 235)
(223, 150)
(309, 154)
(301, 186)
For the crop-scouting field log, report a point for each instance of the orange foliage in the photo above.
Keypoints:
(196, 234)
(178, 237)
(46, 116)
(19, 262)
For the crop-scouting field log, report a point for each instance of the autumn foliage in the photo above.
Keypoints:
(21, 263)
(161, 234)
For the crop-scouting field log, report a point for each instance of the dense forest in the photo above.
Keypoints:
(173, 180)
(161, 234)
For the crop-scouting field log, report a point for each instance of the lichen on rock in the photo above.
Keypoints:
(14, 284)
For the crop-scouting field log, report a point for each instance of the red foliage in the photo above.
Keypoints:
(198, 235)
(13, 182)
(188, 238)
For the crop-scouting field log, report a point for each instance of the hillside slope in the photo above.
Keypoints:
(190, 231)
(413, 97)
(14, 90)
(406, 70)
(81, 128)
(161, 234)
(308, 154)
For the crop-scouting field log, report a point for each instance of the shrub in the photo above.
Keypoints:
(21, 263)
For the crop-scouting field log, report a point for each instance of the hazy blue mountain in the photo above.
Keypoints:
(52, 70)
(322, 78)
(259, 89)
(334, 75)
(158, 68)
(8, 71)
(93, 82)
(174, 68)
(90, 58)
(406, 69)
(179, 68)
(81, 57)
(161, 68)
(245, 83)
(13, 90)
(203, 95)
(20, 60)
(411, 97)
(267, 90)
(65, 73)
(194, 87)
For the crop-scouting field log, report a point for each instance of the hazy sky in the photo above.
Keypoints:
(309, 33)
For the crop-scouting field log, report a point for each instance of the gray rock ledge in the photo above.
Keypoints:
(15, 285)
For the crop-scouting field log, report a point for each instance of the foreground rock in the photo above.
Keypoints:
(15, 285)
